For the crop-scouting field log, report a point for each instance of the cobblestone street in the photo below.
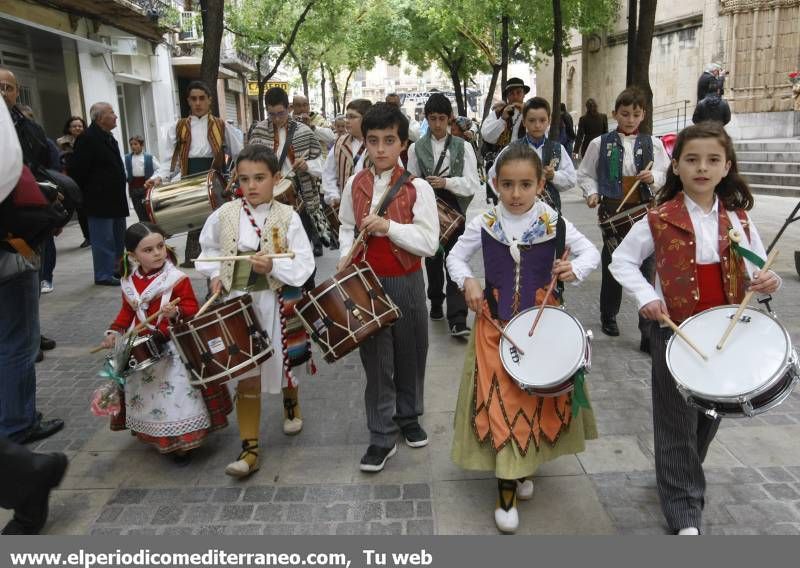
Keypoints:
(311, 484)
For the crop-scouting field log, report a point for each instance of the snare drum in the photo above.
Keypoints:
(145, 352)
(224, 343)
(345, 310)
(451, 221)
(754, 372)
(559, 348)
(615, 227)
(285, 192)
(333, 218)
(185, 205)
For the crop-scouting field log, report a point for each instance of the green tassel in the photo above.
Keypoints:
(614, 162)
(748, 254)
(579, 398)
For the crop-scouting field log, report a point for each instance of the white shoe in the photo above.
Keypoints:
(46, 287)
(525, 489)
(507, 521)
(240, 468)
(293, 426)
(689, 531)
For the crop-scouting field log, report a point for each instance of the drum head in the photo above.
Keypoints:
(555, 352)
(755, 355)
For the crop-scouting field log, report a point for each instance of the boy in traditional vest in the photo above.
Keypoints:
(348, 154)
(394, 243)
(611, 159)
(139, 167)
(694, 233)
(256, 225)
(558, 171)
(194, 145)
(449, 165)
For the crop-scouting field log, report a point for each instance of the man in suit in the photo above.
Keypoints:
(96, 164)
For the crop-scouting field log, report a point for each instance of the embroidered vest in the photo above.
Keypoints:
(385, 257)
(148, 166)
(183, 142)
(609, 176)
(675, 251)
(273, 236)
(345, 160)
(424, 152)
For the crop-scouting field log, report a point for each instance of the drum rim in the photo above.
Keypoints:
(581, 362)
(745, 396)
(330, 283)
(625, 213)
(254, 360)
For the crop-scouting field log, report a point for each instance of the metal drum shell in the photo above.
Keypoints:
(185, 205)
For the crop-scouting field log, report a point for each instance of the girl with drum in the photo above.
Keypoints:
(257, 226)
(499, 426)
(700, 209)
(161, 407)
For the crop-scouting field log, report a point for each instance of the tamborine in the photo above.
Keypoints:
(755, 372)
(286, 193)
(224, 343)
(558, 349)
(185, 205)
(346, 310)
(451, 221)
(616, 226)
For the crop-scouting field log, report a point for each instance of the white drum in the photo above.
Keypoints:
(558, 349)
(755, 371)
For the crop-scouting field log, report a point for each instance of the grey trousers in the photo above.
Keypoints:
(394, 362)
(682, 437)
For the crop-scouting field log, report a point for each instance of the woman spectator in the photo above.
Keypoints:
(73, 128)
(590, 126)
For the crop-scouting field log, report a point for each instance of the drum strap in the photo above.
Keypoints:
(561, 244)
(289, 136)
(442, 155)
(393, 193)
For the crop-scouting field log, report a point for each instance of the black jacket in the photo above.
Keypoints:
(96, 164)
(712, 108)
(589, 128)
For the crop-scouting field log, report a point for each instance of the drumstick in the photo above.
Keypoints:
(210, 301)
(504, 335)
(679, 333)
(547, 295)
(633, 188)
(141, 326)
(745, 301)
(289, 254)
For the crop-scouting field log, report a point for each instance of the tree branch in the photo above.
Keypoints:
(289, 42)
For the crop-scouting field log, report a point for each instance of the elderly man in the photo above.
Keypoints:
(301, 111)
(96, 164)
(19, 302)
(712, 78)
(502, 125)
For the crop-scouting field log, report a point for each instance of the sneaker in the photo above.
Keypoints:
(460, 330)
(689, 531)
(415, 436)
(46, 287)
(376, 457)
(437, 313)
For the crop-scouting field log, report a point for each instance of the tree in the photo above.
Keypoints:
(558, 43)
(641, 63)
(212, 14)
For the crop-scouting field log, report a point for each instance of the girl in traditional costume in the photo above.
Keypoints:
(695, 234)
(161, 407)
(498, 426)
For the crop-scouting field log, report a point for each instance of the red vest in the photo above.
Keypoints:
(384, 256)
(673, 235)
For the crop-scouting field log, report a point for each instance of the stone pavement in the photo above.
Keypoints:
(310, 484)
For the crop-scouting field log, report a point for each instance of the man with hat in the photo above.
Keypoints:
(502, 125)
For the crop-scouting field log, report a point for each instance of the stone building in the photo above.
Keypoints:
(757, 41)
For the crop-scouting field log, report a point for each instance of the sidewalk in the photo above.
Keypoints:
(310, 484)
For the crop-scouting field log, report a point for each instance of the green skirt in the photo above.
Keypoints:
(508, 463)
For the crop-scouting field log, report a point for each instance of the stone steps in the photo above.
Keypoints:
(771, 167)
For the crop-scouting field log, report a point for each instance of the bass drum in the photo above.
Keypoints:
(185, 205)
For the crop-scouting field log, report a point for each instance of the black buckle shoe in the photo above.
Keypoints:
(46, 344)
(437, 313)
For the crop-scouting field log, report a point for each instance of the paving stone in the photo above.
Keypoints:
(782, 491)
(282, 530)
(128, 497)
(196, 494)
(367, 511)
(270, 513)
(176, 531)
(385, 528)
(300, 513)
(211, 530)
(423, 509)
(419, 527)
(260, 494)
(387, 491)
(324, 494)
(163, 496)
(200, 514)
(416, 491)
(106, 531)
(244, 529)
(168, 515)
(358, 528)
(226, 494)
(315, 529)
(356, 492)
(236, 512)
(746, 475)
(289, 494)
(109, 515)
(399, 509)
(141, 531)
(135, 515)
(338, 512)
(784, 529)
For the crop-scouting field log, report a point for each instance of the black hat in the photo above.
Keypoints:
(515, 82)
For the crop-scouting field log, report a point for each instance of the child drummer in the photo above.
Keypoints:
(613, 162)
(257, 226)
(498, 426)
(395, 243)
(701, 207)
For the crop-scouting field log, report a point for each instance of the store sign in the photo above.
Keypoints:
(252, 87)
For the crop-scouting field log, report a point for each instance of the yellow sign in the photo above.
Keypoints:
(252, 87)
